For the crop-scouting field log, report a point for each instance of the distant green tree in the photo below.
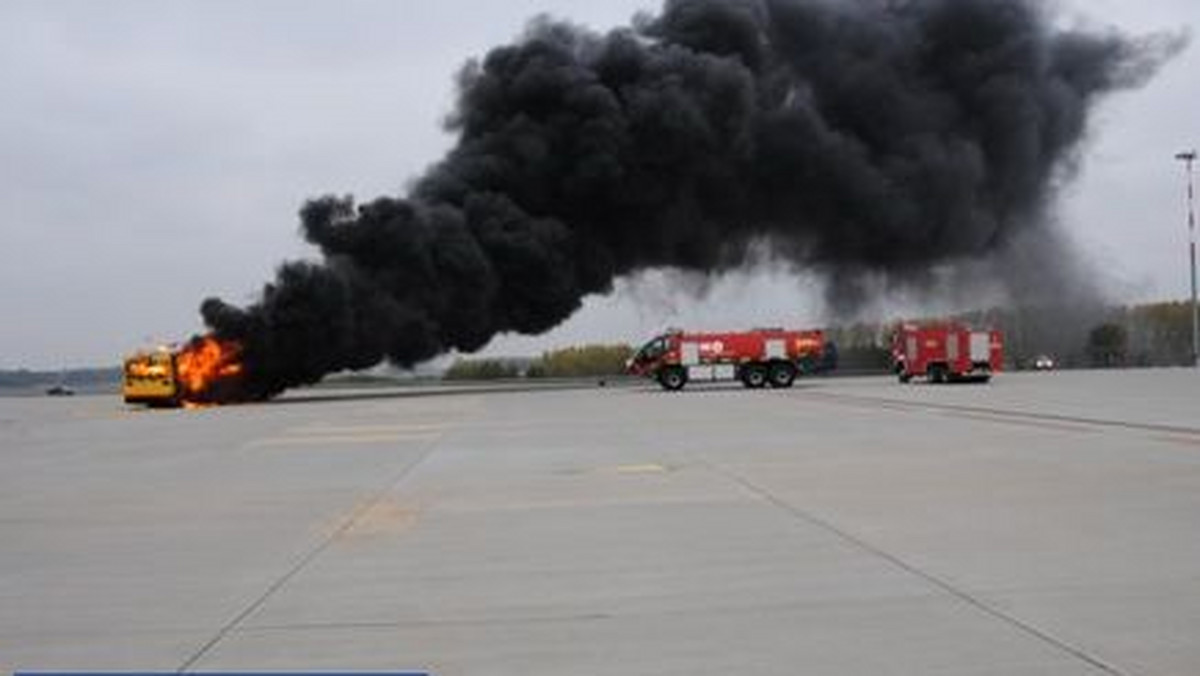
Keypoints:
(587, 361)
(862, 347)
(482, 369)
(864, 358)
(1108, 345)
(1160, 334)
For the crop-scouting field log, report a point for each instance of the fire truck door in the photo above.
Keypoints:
(910, 350)
(689, 353)
(952, 346)
(776, 349)
(981, 347)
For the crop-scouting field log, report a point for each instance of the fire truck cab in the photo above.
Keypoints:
(947, 353)
(759, 358)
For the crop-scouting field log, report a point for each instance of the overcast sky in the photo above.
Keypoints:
(155, 153)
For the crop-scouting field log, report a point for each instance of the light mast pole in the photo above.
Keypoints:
(1189, 158)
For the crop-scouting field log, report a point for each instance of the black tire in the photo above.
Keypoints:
(937, 374)
(782, 375)
(754, 376)
(673, 378)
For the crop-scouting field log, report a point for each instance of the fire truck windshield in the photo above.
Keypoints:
(652, 350)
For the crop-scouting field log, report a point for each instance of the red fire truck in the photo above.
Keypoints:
(947, 353)
(759, 358)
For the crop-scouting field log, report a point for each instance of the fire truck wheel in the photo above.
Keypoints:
(937, 374)
(672, 379)
(754, 376)
(783, 375)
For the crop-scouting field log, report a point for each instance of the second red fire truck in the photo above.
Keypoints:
(759, 358)
(946, 353)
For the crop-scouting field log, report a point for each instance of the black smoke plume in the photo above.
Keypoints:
(852, 137)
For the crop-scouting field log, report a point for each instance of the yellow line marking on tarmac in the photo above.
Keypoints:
(367, 429)
(1182, 441)
(336, 440)
(1019, 422)
(649, 468)
(386, 517)
(321, 434)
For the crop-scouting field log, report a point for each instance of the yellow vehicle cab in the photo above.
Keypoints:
(151, 378)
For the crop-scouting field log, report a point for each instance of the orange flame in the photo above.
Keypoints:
(146, 369)
(205, 362)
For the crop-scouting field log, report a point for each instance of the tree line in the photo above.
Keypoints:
(1149, 335)
(587, 361)
(1157, 334)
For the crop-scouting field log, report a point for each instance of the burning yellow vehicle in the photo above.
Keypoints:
(150, 378)
(167, 377)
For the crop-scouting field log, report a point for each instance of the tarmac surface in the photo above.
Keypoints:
(1046, 524)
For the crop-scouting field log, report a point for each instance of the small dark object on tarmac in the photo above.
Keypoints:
(60, 391)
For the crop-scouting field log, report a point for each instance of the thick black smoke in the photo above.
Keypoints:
(853, 137)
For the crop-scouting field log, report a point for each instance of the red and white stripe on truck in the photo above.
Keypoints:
(759, 358)
(945, 353)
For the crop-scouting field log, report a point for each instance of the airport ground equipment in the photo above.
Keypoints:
(947, 352)
(151, 378)
(759, 358)
(203, 371)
